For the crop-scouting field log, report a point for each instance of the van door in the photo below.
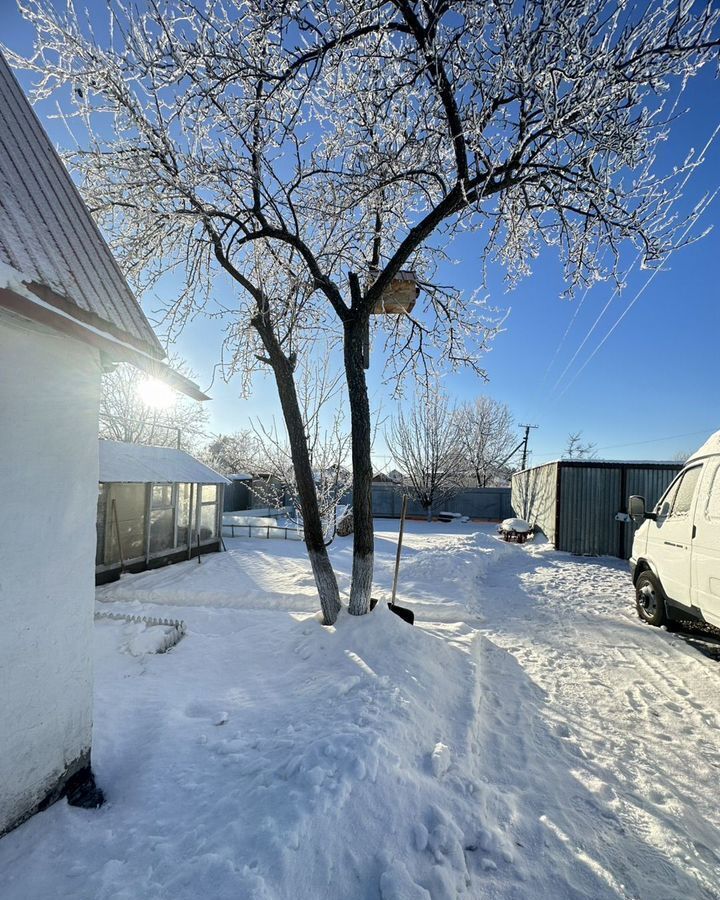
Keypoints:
(670, 536)
(706, 545)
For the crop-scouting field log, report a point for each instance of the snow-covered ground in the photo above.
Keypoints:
(528, 738)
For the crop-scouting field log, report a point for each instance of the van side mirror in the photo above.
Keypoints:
(636, 508)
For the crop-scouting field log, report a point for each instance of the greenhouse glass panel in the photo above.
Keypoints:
(161, 530)
(208, 521)
(184, 492)
(209, 493)
(125, 521)
(162, 496)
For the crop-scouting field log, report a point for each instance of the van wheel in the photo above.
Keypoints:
(650, 599)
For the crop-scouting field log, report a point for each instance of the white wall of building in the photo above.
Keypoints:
(49, 397)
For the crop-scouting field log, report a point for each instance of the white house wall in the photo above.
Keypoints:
(49, 398)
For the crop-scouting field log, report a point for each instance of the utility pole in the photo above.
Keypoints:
(525, 443)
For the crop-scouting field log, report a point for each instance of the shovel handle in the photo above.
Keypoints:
(399, 548)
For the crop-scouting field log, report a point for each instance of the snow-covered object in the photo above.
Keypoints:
(261, 512)
(242, 519)
(519, 526)
(148, 634)
(243, 525)
(136, 463)
(709, 448)
(50, 388)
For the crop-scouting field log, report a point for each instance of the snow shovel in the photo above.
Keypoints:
(407, 615)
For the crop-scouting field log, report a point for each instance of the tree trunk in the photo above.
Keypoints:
(429, 513)
(363, 538)
(312, 524)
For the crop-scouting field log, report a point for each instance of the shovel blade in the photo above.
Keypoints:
(407, 615)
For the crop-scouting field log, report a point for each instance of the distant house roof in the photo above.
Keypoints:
(138, 464)
(47, 233)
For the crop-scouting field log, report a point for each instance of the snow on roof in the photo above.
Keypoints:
(711, 446)
(136, 463)
(240, 476)
(47, 232)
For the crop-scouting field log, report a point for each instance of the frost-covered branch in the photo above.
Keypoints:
(535, 123)
(487, 438)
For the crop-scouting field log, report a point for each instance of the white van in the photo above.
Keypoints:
(675, 561)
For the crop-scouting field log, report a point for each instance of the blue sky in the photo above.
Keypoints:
(650, 391)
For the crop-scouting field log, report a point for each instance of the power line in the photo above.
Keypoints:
(700, 159)
(669, 437)
(592, 328)
(637, 296)
(567, 332)
(579, 306)
(657, 440)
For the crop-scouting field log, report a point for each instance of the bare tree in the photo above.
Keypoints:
(487, 438)
(348, 140)
(328, 441)
(136, 409)
(233, 453)
(576, 449)
(425, 444)
(681, 456)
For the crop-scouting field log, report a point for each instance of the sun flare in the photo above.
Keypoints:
(156, 393)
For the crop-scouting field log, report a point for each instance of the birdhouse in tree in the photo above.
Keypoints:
(399, 297)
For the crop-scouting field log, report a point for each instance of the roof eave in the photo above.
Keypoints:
(26, 302)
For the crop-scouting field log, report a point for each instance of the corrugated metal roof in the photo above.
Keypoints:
(47, 232)
(139, 464)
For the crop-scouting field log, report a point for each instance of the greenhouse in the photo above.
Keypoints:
(156, 505)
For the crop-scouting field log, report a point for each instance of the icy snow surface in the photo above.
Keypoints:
(528, 738)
